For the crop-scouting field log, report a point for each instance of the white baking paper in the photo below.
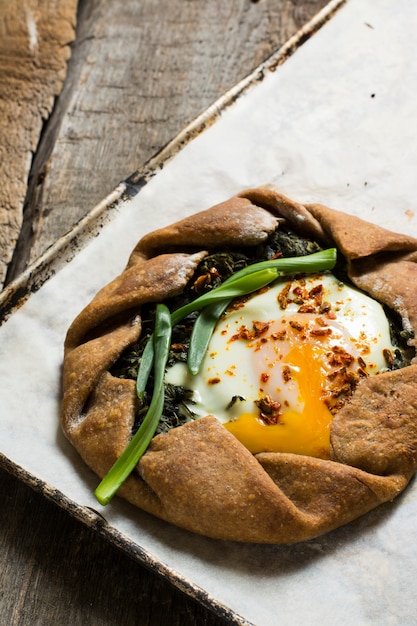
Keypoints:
(337, 124)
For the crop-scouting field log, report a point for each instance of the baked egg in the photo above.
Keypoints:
(282, 361)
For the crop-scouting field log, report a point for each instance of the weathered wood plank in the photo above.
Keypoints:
(140, 71)
(54, 571)
(34, 49)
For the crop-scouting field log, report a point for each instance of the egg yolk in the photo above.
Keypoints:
(301, 432)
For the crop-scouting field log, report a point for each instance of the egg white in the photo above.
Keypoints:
(234, 371)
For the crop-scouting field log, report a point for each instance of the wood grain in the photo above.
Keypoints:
(138, 73)
(56, 571)
(34, 49)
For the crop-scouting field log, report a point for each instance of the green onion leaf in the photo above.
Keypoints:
(236, 285)
(202, 331)
(129, 458)
(145, 367)
(229, 289)
(316, 262)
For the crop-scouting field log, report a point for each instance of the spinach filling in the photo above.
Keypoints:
(212, 271)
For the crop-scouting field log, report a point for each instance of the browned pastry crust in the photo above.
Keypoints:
(198, 476)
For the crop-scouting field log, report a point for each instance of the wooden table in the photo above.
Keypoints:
(87, 95)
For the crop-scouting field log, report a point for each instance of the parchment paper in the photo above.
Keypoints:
(336, 123)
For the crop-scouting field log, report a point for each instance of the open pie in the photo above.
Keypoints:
(198, 475)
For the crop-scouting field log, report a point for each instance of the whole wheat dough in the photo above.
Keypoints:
(198, 476)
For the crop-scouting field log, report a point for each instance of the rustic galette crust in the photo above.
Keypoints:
(198, 476)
